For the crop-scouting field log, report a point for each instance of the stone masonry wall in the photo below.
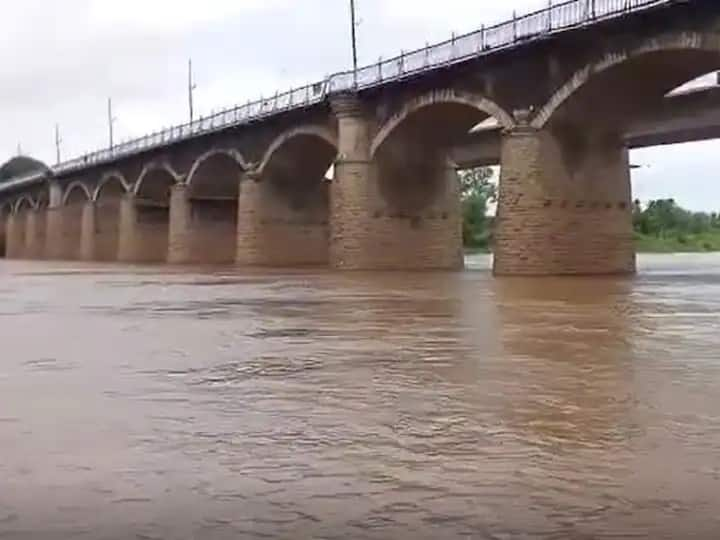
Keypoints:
(213, 231)
(564, 207)
(372, 227)
(107, 226)
(151, 232)
(271, 232)
(69, 239)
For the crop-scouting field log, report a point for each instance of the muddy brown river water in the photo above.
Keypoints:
(156, 403)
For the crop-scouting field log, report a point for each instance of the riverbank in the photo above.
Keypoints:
(682, 243)
(679, 243)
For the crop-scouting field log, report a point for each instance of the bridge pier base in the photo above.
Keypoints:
(54, 223)
(54, 233)
(250, 249)
(71, 231)
(87, 232)
(179, 228)
(33, 239)
(127, 230)
(564, 206)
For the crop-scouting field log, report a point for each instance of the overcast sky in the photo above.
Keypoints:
(62, 59)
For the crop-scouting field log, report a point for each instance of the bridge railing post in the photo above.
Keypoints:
(550, 15)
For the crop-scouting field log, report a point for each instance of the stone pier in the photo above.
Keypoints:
(398, 208)
(128, 239)
(179, 237)
(88, 232)
(564, 206)
(34, 246)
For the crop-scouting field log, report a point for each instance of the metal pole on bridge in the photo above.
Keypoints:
(111, 121)
(58, 141)
(353, 23)
(191, 89)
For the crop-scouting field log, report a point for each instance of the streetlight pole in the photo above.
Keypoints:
(111, 121)
(354, 41)
(191, 87)
(58, 141)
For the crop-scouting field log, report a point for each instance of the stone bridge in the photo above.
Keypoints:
(357, 172)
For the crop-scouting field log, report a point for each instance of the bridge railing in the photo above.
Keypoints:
(487, 40)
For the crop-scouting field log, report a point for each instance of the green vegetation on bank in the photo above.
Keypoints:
(661, 226)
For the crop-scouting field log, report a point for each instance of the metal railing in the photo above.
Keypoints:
(519, 30)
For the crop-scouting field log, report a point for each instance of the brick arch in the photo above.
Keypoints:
(108, 177)
(685, 41)
(445, 96)
(230, 152)
(155, 167)
(320, 132)
(24, 199)
(72, 187)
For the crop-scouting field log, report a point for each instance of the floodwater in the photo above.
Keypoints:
(156, 403)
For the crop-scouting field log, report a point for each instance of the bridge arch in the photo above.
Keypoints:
(670, 60)
(288, 224)
(108, 199)
(213, 189)
(152, 191)
(76, 192)
(24, 202)
(230, 153)
(152, 170)
(109, 179)
(316, 132)
(447, 97)
(67, 244)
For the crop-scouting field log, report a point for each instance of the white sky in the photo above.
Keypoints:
(61, 60)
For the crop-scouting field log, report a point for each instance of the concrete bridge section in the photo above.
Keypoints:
(568, 88)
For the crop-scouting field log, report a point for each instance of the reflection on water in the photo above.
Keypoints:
(206, 403)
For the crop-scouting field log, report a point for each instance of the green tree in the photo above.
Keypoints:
(477, 191)
(662, 225)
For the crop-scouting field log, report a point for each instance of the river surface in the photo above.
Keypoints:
(160, 403)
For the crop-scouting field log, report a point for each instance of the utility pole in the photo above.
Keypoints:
(111, 121)
(58, 140)
(191, 88)
(354, 41)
